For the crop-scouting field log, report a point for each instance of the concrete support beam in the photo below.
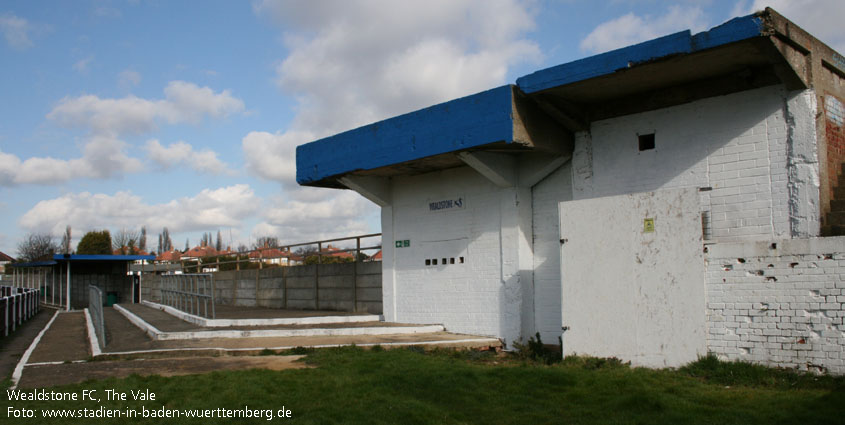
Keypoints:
(498, 168)
(534, 167)
(376, 189)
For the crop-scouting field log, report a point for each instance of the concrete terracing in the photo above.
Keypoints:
(62, 351)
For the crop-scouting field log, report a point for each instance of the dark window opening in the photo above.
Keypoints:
(427, 262)
(646, 141)
(461, 259)
(452, 260)
(434, 262)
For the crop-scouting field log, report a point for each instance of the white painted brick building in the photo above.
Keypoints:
(612, 194)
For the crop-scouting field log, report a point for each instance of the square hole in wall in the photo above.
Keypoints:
(646, 141)
(427, 262)
(461, 259)
(452, 260)
(434, 262)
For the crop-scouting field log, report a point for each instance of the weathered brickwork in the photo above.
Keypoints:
(778, 303)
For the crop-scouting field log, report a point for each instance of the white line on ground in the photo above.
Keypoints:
(16, 375)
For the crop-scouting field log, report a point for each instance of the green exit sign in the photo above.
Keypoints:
(403, 244)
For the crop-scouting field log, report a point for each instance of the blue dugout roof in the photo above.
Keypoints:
(477, 121)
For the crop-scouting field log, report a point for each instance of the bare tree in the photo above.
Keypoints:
(142, 242)
(37, 246)
(164, 242)
(66, 238)
(125, 241)
(266, 242)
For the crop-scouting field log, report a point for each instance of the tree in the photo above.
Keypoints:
(126, 242)
(37, 246)
(142, 242)
(164, 242)
(187, 244)
(66, 238)
(266, 242)
(219, 245)
(95, 243)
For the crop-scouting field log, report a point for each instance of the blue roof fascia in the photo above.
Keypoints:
(607, 63)
(85, 257)
(467, 122)
(34, 264)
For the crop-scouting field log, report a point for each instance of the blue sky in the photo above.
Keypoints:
(122, 114)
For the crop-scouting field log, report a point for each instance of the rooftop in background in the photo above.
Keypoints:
(4, 257)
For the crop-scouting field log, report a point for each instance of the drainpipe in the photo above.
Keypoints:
(563, 330)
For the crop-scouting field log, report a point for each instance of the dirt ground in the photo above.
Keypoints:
(39, 376)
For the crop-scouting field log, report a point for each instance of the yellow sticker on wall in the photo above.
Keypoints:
(648, 225)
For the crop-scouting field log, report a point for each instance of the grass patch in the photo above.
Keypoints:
(412, 386)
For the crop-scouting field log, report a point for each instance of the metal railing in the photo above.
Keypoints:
(287, 251)
(191, 293)
(16, 306)
(95, 308)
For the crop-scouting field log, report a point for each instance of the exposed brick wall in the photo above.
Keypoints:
(834, 111)
(780, 305)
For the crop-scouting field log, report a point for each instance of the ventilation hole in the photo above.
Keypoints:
(461, 259)
(740, 260)
(434, 262)
(828, 256)
(444, 262)
(646, 141)
(773, 246)
(427, 262)
(452, 260)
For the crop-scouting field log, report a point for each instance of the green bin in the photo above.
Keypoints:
(111, 299)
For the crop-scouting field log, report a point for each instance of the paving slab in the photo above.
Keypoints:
(66, 340)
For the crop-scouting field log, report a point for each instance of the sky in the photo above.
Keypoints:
(186, 114)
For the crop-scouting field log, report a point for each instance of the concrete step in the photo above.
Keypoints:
(225, 323)
(379, 328)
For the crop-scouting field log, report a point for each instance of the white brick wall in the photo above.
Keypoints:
(548, 193)
(469, 298)
(780, 305)
(736, 144)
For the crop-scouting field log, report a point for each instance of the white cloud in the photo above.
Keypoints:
(354, 62)
(183, 102)
(107, 120)
(631, 28)
(210, 209)
(103, 157)
(203, 161)
(273, 156)
(821, 18)
(15, 31)
(314, 214)
(129, 78)
(81, 66)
